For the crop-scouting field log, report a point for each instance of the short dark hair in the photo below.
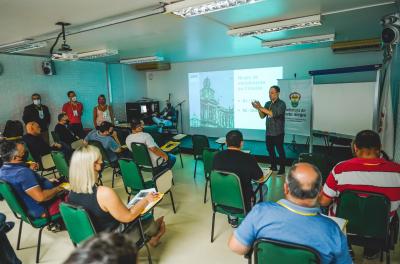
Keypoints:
(105, 126)
(102, 96)
(368, 139)
(296, 188)
(35, 94)
(234, 138)
(105, 248)
(276, 87)
(8, 150)
(135, 122)
(60, 116)
(69, 92)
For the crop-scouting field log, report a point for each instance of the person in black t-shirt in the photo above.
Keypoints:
(242, 164)
(62, 130)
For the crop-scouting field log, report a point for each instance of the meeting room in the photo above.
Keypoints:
(200, 131)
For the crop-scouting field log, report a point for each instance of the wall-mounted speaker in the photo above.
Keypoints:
(48, 68)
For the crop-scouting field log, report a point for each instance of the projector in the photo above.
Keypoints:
(391, 29)
(65, 56)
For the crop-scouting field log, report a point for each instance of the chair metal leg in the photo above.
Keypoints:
(172, 200)
(388, 256)
(205, 191)
(195, 167)
(212, 227)
(38, 245)
(180, 155)
(113, 176)
(19, 234)
(148, 253)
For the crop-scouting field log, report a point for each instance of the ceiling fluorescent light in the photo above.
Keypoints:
(95, 54)
(295, 23)
(189, 8)
(141, 60)
(24, 47)
(299, 41)
(17, 43)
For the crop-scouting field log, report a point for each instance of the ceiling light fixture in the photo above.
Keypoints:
(189, 8)
(95, 54)
(299, 41)
(289, 24)
(23, 46)
(13, 44)
(141, 60)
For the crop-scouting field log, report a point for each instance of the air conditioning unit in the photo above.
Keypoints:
(153, 66)
(361, 45)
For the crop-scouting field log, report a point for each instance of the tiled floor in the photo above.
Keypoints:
(187, 239)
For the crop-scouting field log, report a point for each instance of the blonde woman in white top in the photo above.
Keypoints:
(102, 112)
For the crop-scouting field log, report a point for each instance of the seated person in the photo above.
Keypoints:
(295, 219)
(111, 248)
(367, 171)
(166, 117)
(38, 147)
(29, 186)
(13, 130)
(104, 206)
(108, 138)
(157, 156)
(244, 165)
(62, 130)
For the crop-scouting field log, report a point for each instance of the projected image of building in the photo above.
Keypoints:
(212, 114)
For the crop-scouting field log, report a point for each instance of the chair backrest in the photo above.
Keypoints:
(141, 155)
(319, 160)
(103, 152)
(47, 162)
(367, 213)
(163, 181)
(13, 129)
(226, 189)
(208, 158)
(131, 175)
(13, 201)
(55, 136)
(200, 142)
(61, 163)
(77, 221)
(270, 251)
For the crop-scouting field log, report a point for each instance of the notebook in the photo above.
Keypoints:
(140, 195)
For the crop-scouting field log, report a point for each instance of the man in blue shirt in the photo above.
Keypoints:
(31, 188)
(108, 138)
(296, 219)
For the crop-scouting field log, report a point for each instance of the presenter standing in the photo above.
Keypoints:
(274, 110)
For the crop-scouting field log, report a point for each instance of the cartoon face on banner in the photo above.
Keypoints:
(294, 99)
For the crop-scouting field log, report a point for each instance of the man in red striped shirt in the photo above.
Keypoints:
(366, 172)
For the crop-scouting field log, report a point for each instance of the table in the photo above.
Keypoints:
(267, 172)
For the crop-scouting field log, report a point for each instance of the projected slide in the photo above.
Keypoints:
(222, 99)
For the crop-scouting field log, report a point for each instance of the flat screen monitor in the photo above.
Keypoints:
(143, 109)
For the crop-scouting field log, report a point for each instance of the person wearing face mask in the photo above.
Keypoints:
(63, 131)
(74, 110)
(32, 189)
(38, 147)
(102, 112)
(39, 113)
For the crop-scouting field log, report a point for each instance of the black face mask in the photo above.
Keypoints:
(24, 158)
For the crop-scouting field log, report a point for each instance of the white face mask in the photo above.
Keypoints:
(36, 102)
(73, 99)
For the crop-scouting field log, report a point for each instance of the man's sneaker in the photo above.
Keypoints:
(233, 221)
(371, 254)
(8, 226)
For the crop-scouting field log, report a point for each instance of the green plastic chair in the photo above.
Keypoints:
(368, 220)
(226, 196)
(19, 210)
(268, 251)
(161, 140)
(208, 158)
(321, 161)
(78, 223)
(132, 177)
(141, 156)
(61, 163)
(200, 142)
(134, 182)
(106, 160)
(44, 170)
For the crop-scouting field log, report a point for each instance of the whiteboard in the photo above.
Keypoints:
(343, 108)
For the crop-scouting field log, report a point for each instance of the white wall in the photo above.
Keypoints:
(23, 76)
(160, 83)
